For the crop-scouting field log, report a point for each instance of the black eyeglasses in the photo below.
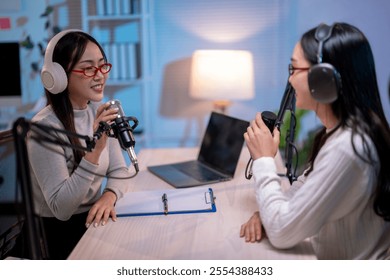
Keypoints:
(91, 71)
(291, 69)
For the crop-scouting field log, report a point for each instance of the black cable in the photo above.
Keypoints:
(290, 146)
(248, 169)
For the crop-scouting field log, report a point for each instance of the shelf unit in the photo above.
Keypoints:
(122, 29)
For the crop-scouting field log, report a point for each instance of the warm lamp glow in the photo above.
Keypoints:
(222, 75)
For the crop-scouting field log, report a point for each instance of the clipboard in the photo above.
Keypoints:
(166, 202)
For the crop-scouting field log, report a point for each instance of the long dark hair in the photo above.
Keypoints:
(67, 53)
(359, 105)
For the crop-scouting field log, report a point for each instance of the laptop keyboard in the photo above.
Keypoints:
(199, 172)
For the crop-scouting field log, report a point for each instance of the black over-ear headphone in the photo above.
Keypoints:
(53, 76)
(324, 79)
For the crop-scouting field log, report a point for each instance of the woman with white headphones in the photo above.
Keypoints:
(67, 182)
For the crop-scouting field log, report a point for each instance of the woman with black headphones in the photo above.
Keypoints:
(342, 200)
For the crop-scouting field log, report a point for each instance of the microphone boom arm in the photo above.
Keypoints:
(290, 138)
(288, 103)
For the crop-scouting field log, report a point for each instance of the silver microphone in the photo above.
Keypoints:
(124, 131)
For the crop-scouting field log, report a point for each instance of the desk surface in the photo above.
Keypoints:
(189, 236)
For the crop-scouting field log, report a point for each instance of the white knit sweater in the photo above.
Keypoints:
(333, 205)
(57, 191)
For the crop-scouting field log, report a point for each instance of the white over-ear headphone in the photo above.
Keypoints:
(53, 76)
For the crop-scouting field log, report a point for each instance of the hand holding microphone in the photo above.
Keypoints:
(260, 142)
(272, 120)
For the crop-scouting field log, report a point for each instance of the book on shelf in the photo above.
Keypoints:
(115, 62)
(100, 7)
(109, 7)
(136, 6)
(118, 7)
(138, 60)
(126, 7)
(125, 60)
(132, 53)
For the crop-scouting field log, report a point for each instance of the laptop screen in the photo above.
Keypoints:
(222, 143)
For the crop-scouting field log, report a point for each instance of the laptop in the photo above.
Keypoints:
(217, 158)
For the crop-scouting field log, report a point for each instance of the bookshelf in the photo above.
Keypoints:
(122, 28)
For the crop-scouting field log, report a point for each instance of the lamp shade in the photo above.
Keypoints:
(222, 75)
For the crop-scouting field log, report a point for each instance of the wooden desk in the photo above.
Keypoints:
(190, 236)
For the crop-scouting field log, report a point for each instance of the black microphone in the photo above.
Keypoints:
(271, 121)
(124, 131)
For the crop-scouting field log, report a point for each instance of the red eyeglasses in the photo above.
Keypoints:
(91, 71)
(291, 69)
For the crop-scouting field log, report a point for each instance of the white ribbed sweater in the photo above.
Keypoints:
(333, 205)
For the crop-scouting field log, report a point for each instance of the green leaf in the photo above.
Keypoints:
(41, 49)
(47, 24)
(27, 43)
(56, 29)
(48, 11)
(35, 66)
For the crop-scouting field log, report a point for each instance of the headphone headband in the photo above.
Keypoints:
(323, 78)
(323, 33)
(53, 76)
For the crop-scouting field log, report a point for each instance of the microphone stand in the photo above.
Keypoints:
(288, 96)
(21, 129)
(290, 138)
(288, 103)
(90, 142)
(35, 237)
